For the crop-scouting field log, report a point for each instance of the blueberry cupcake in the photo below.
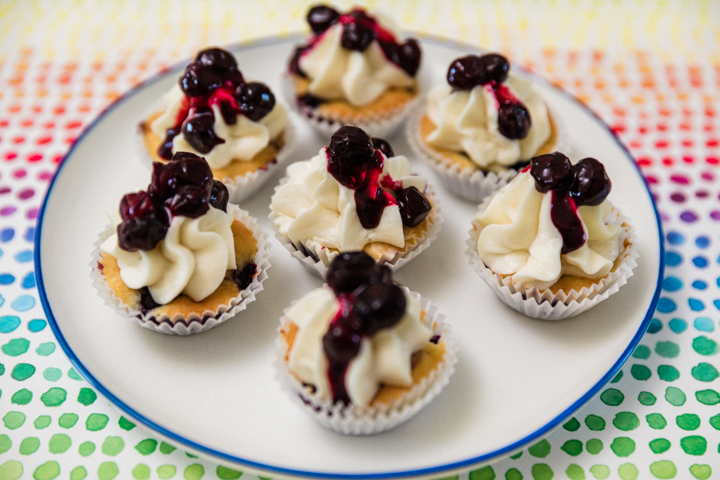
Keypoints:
(549, 243)
(214, 112)
(483, 126)
(180, 259)
(353, 70)
(355, 194)
(361, 354)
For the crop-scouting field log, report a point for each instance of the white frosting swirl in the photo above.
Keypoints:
(314, 208)
(192, 258)
(243, 140)
(467, 121)
(518, 237)
(384, 358)
(357, 77)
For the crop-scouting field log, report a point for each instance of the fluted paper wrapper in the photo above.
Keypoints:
(542, 303)
(356, 420)
(198, 321)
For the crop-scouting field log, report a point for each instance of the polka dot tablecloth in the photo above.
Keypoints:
(651, 70)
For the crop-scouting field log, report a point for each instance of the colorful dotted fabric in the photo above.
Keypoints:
(650, 70)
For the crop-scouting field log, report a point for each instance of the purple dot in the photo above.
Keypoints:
(680, 179)
(677, 197)
(702, 194)
(25, 194)
(715, 214)
(7, 211)
(32, 214)
(665, 217)
(707, 176)
(688, 216)
(4, 190)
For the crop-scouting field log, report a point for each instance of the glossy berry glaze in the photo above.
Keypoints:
(491, 70)
(369, 302)
(355, 162)
(572, 186)
(214, 79)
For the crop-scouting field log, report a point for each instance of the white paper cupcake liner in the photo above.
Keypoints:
(470, 184)
(542, 303)
(196, 322)
(317, 258)
(356, 420)
(380, 126)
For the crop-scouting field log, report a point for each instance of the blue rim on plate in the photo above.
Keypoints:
(459, 465)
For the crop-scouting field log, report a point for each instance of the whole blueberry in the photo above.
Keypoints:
(219, 195)
(199, 132)
(358, 33)
(383, 146)
(414, 206)
(340, 343)
(380, 305)
(552, 171)
(320, 17)
(466, 72)
(496, 67)
(514, 120)
(591, 185)
(255, 100)
(216, 58)
(349, 270)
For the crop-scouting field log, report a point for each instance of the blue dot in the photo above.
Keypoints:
(1, 252)
(6, 234)
(665, 305)
(673, 259)
(715, 302)
(36, 325)
(672, 284)
(704, 324)
(2, 300)
(675, 238)
(8, 323)
(699, 284)
(702, 241)
(6, 279)
(23, 303)
(30, 234)
(700, 262)
(655, 326)
(718, 282)
(695, 304)
(25, 256)
(29, 280)
(678, 325)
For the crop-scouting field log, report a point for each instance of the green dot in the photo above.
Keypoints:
(13, 420)
(73, 374)
(694, 445)
(225, 473)
(126, 424)
(22, 397)
(52, 374)
(59, 443)
(704, 372)
(141, 472)
(575, 472)
(87, 396)
(2, 369)
(11, 470)
(78, 473)
(166, 471)
(623, 446)
(708, 397)
(571, 425)
(517, 455)
(656, 421)
(107, 471)
(701, 472)
(705, 346)
(542, 471)
(485, 473)
(47, 471)
(595, 423)
(45, 349)
(147, 446)
(647, 398)
(190, 455)
(715, 421)
(675, 396)
(166, 449)
(617, 377)
(5, 443)
(29, 445)
(86, 449)
(572, 447)
(667, 349)
(194, 472)
(601, 472)
(659, 445)
(668, 373)
(626, 421)
(43, 421)
(96, 422)
(16, 346)
(642, 352)
(54, 397)
(663, 469)
(22, 371)
(640, 372)
(612, 397)
(67, 420)
(594, 446)
(541, 449)
(112, 446)
(628, 471)
(688, 421)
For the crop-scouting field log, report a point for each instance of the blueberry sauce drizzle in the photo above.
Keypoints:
(571, 186)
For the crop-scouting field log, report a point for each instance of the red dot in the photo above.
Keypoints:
(59, 110)
(688, 160)
(69, 140)
(27, 123)
(712, 160)
(667, 161)
(644, 162)
(652, 179)
(18, 140)
(4, 123)
(44, 140)
(681, 179)
(662, 127)
(73, 124)
(10, 156)
(661, 144)
(642, 129)
(19, 173)
(617, 129)
(34, 157)
(687, 143)
(57, 158)
(712, 143)
(685, 126)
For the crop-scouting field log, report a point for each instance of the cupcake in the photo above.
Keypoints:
(180, 259)
(549, 243)
(355, 194)
(362, 354)
(482, 127)
(236, 125)
(355, 70)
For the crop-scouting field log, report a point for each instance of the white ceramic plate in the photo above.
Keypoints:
(517, 378)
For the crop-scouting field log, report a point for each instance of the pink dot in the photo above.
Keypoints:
(715, 214)
(34, 158)
(5, 211)
(25, 194)
(677, 197)
(707, 176)
(45, 176)
(10, 156)
(664, 217)
(32, 214)
(19, 173)
(681, 179)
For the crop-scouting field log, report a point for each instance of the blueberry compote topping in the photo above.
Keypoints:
(492, 70)
(369, 302)
(359, 31)
(356, 162)
(214, 79)
(585, 183)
